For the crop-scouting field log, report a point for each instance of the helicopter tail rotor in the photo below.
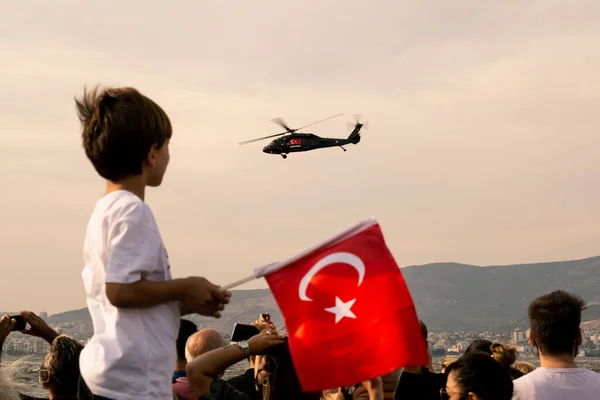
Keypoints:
(357, 121)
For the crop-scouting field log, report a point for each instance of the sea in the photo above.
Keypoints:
(24, 370)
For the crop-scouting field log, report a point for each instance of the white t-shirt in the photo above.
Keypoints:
(558, 384)
(132, 354)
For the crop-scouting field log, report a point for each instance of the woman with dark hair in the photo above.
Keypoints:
(276, 376)
(477, 376)
(480, 345)
(504, 354)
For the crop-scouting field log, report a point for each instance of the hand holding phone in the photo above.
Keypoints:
(6, 327)
(20, 324)
(243, 332)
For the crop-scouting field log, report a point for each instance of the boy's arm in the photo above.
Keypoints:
(145, 293)
(135, 252)
(194, 294)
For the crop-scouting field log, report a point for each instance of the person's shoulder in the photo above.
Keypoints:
(123, 207)
(221, 390)
(528, 378)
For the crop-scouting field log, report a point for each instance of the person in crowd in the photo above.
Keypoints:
(134, 303)
(524, 367)
(199, 343)
(59, 372)
(504, 354)
(419, 381)
(6, 326)
(480, 345)
(245, 382)
(8, 391)
(555, 320)
(205, 372)
(507, 356)
(186, 329)
(477, 376)
(446, 362)
(276, 377)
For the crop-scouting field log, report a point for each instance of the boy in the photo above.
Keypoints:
(134, 303)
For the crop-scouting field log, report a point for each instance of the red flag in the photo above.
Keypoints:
(295, 141)
(349, 314)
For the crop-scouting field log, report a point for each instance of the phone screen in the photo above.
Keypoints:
(243, 332)
(21, 324)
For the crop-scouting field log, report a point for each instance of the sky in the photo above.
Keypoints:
(482, 145)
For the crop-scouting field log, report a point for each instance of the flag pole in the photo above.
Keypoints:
(239, 282)
(266, 270)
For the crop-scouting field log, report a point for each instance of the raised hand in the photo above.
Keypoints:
(6, 326)
(39, 328)
(259, 344)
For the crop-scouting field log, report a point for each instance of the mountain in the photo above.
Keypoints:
(448, 296)
(451, 296)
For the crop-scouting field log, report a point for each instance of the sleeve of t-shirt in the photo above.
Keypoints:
(133, 249)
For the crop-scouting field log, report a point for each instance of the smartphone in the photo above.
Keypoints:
(21, 324)
(265, 317)
(243, 332)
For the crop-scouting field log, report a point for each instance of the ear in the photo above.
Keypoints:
(151, 157)
(579, 337)
(531, 341)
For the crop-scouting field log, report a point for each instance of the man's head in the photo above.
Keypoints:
(203, 341)
(186, 329)
(125, 134)
(60, 369)
(554, 320)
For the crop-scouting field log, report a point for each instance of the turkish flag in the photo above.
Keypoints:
(294, 141)
(348, 312)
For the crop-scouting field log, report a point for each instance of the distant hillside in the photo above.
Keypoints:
(451, 296)
(448, 296)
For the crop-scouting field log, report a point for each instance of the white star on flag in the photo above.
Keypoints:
(342, 309)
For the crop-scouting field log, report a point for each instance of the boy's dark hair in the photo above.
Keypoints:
(186, 329)
(479, 373)
(120, 126)
(554, 320)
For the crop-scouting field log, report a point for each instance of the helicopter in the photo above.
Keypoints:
(296, 142)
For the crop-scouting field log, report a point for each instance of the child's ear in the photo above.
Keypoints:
(151, 157)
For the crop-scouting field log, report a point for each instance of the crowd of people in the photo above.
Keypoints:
(142, 349)
(486, 371)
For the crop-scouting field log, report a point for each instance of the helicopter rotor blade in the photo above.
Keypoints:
(322, 120)
(280, 122)
(357, 118)
(262, 138)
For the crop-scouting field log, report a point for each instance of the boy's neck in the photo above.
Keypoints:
(135, 185)
(558, 361)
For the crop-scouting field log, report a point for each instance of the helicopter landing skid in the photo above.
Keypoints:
(284, 156)
(343, 148)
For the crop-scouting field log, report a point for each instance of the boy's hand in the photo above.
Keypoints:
(204, 298)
